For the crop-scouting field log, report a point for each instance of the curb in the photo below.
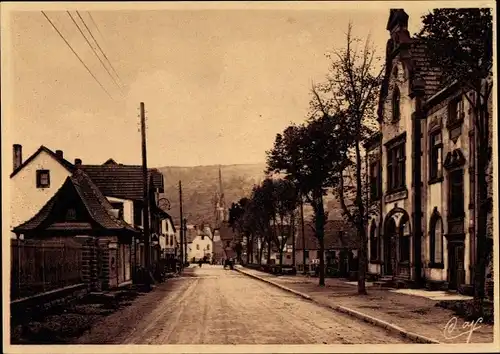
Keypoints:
(353, 313)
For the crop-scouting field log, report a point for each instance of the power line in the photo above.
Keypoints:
(86, 39)
(70, 47)
(105, 56)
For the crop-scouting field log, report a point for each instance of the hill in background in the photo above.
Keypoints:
(200, 183)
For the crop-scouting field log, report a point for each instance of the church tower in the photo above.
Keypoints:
(220, 204)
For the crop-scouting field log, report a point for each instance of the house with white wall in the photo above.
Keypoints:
(201, 245)
(445, 247)
(34, 181)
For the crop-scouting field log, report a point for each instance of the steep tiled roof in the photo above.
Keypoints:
(338, 234)
(122, 181)
(97, 206)
(66, 164)
(430, 75)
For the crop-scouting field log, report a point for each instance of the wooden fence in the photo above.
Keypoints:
(39, 266)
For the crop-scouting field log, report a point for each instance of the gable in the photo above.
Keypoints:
(47, 155)
(41, 160)
(93, 210)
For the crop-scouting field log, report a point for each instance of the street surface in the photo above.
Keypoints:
(210, 305)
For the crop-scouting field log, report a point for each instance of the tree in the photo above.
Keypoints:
(460, 42)
(310, 156)
(351, 87)
(285, 202)
(236, 221)
(259, 216)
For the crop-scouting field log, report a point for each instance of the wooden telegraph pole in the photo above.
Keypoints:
(303, 233)
(181, 230)
(145, 210)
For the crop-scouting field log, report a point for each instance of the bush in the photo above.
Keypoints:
(467, 311)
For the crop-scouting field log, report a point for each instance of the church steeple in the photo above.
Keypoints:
(220, 204)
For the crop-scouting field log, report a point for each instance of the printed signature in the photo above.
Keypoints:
(451, 331)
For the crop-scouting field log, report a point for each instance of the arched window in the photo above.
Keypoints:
(197, 247)
(208, 247)
(373, 242)
(436, 240)
(404, 240)
(396, 98)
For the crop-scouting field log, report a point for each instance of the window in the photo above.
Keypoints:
(456, 184)
(396, 110)
(436, 240)
(396, 167)
(375, 180)
(171, 240)
(198, 247)
(137, 215)
(42, 178)
(435, 155)
(373, 242)
(71, 214)
(118, 206)
(208, 247)
(456, 110)
(404, 241)
(307, 253)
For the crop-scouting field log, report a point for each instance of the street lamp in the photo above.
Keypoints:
(164, 203)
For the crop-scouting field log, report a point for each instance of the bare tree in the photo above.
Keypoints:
(352, 86)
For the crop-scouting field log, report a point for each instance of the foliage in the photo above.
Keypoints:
(311, 156)
(460, 42)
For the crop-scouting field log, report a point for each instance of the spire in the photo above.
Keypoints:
(220, 182)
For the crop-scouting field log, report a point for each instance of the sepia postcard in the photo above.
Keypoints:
(249, 176)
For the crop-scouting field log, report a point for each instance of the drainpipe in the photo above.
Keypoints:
(417, 116)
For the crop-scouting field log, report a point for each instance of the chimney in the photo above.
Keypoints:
(59, 154)
(78, 162)
(18, 155)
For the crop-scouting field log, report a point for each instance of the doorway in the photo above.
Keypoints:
(389, 234)
(456, 269)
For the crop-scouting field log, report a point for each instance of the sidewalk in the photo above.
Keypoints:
(412, 314)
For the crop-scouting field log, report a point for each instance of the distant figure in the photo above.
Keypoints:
(200, 262)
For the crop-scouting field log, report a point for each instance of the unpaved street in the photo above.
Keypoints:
(210, 305)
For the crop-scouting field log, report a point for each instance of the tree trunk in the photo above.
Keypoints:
(360, 224)
(292, 230)
(320, 234)
(482, 220)
(269, 247)
(304, 258)
(281, 260)
(248, 248)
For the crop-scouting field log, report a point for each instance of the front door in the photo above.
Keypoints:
(456, 270)
(389, 247)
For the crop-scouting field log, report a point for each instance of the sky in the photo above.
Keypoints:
(218, 84)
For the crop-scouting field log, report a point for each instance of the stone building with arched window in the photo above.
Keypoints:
(414, 102)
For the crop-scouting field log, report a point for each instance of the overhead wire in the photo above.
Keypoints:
(102, 51)
(91, 47)
(75, 53)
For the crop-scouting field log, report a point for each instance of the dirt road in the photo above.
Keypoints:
(210, 305)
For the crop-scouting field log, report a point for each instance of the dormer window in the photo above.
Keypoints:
(42, 178)
(71, 214)
(396, 110)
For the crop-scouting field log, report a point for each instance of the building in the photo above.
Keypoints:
(168, 240)
(442, 254)
(341, 247)
(201, 246)
(123, 187)
(78, 209)
(35, 181)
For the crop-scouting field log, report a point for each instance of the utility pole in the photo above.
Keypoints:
(181, 230)
(185, 241)
(145, 209)
(303, 234)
